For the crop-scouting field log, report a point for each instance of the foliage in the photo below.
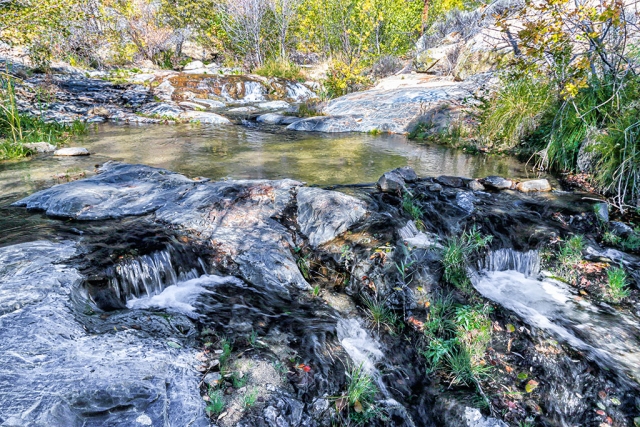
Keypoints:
(617, 285)
(569, 254)
(279, 68)
(344, 77)
(413, 209)
(379, 314)
(360, 395)
(250, 398)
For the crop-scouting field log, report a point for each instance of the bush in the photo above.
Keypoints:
(343, 78)
(617, 285)
(279, 68)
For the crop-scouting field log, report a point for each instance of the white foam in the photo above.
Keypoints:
(362, 348)
(180, 297)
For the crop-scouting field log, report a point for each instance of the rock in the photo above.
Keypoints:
(117, 374)
(194, 65)
(407, 173)
(212, 379)
(450, 181)
(620, 229)
(192, 106)
(72, 151)
(323, 215)
(162, 110)
(474, 418)
(466, 201)
(270, 118)
(497, 183)
(391, 182)
(535, 185)
(100, 111)
(474, 185)
(234, 217)
(602, 211)
(274, 105)
(248, 109)
(210, 103)
(204, 117)
(587, 154)
(437, 60)
(40, 147)
(394, 110)
(436, 188)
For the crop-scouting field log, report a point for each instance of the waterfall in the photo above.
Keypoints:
(149, 275)
(527, 263)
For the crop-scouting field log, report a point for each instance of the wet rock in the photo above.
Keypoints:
(100, 111)
(436, 188)
(474, 185)
(535, 185)
(71, 151)
(323, 215)
(204, 117)
(450, 181)
(162, 110)
(212, 379)
(474, 418)
(418, 239)
(248, 109)
(466, 202)
(620, 229)
(191, 105)
(391, 182)
(277, 119)
(497, 183)
(40, 147)
(326, 124)
(407, 173)
(89, 378)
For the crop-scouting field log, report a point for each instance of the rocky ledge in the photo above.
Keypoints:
(276, 282)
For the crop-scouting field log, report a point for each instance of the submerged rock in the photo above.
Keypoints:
(71, 151)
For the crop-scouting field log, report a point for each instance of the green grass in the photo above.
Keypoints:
(250, 398)
(455, 255)
(360, 396)
(379, 314)
(225, 356)
(514, 112)
(569, 254)
(17, 129)
(413, 209)
(216, 402)
(281, 69)
(617, 285)
(238, 381)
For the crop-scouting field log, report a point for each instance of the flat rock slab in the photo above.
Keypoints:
(323, 215)
(71, 151)
(395, 111)
(497, 183)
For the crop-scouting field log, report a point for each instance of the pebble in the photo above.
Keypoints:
(72, 151)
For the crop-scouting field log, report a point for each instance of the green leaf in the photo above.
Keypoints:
(531, 385)
(173, 344)
(523, 376)
(510, 328)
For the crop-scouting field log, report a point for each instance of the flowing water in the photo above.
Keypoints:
(608, 337)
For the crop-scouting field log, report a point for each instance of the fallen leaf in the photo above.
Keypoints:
(510, 328)
(358, 407)
(531, 385)
(222, 415)
(523, 376)
(306, 368)
(602, 394)
(508, 368)
(341, 404)
(601, 412)
(615, 401)
(173, 344)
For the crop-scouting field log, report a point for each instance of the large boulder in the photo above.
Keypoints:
(534, 185)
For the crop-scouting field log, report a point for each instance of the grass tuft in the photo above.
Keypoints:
(617, 285)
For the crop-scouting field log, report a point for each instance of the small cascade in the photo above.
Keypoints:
(365, 351)
(609, 337)
(527, 263)
(150, 274)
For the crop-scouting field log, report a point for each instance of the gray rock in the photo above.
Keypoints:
(323, 215)
(474, 418)
(602, 211)
(450, 181)
(204, 117)
(194, 65)
(474, 185)
(162, 110)
(407, 173)
(497, 183)
(40, 147)
(274, 105)
(116, 376)
(620, 229)
(270, 118)
(466, 201)
(391, 182)
(71, 151)
(394, 110)
(535, 185)
(436, 188)
(212, 378)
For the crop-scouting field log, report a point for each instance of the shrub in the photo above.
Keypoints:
(455, 254)
(343, 78)
(280, 68)
(617, 285)
(216, 402)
